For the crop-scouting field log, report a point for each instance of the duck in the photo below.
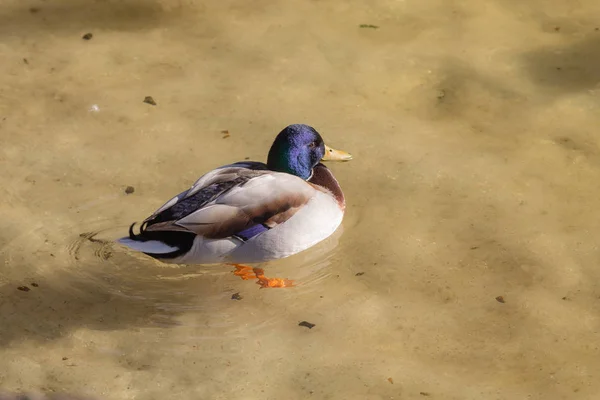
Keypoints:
(249, 211)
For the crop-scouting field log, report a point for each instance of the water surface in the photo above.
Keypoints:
(473, 127)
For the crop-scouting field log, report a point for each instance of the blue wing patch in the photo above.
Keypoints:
(249, 233)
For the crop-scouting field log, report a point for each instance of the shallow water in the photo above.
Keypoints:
(473, 127)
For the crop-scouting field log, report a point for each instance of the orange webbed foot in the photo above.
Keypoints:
(265, 282)
(243, 271)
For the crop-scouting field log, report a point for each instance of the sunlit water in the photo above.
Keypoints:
(467, 264)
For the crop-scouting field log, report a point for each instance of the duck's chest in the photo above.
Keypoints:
(316, 221)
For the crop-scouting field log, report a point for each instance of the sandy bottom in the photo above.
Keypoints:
(467, 266)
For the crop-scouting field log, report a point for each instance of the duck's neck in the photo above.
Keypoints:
(323, 177)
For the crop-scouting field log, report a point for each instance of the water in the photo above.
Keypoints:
(473, 130)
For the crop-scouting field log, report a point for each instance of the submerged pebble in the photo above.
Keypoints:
(306, 324)
(236, 296)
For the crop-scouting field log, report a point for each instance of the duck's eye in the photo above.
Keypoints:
(312, 145)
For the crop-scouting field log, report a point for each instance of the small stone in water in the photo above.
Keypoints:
(236, 296)
(306, 324)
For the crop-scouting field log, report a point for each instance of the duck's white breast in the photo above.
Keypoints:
(316, 221)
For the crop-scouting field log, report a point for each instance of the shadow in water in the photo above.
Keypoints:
(74, 15)
(566, 68)
(96, 287)
(95, 284)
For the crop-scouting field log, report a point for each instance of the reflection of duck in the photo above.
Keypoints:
(251, 212)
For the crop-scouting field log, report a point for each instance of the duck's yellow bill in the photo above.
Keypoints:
(336, 155)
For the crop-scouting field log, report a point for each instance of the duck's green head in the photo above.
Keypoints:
(298, 148)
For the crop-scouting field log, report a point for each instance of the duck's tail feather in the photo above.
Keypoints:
(148, 247)
(158, 244)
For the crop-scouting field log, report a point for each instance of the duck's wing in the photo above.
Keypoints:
(208, 187)
(239, 200)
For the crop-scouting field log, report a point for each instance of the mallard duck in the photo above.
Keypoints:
(250, 212)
